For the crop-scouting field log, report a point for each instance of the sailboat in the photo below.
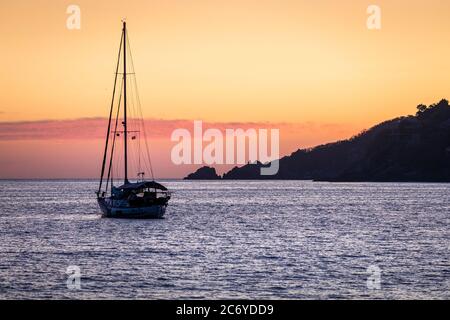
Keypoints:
(142, 199)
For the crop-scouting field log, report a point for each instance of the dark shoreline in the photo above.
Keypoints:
(406, 149)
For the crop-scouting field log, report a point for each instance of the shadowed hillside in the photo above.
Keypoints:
(412, 148)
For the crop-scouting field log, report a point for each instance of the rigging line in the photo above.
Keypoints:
(119, 173)
(114, 139)
(135, 97)
(119, 157)
(140, 110)
(133, 155)
(132, 121)
(146, 140)
(135, 123)
(139, 148)
(114, 143)
(110, 116)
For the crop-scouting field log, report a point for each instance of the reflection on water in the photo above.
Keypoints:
(281, 240)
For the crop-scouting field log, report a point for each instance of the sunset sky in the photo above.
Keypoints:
(310, 65)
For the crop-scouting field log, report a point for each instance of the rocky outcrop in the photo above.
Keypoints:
(204, 173)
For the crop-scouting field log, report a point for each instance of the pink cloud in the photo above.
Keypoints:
(95, 128)
(73, 148)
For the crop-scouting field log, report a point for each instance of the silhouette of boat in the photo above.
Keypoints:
(131, 200)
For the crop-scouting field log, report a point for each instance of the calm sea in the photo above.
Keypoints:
(280, 240)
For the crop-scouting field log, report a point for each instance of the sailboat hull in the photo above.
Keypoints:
(119, 210)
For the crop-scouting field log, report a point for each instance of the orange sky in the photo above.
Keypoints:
(226, 61)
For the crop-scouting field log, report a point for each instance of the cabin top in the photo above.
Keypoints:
(143, 185)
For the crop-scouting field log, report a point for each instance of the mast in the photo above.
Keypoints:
(125, 135)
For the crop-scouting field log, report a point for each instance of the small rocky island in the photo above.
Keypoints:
(204, 173)
(406, 149)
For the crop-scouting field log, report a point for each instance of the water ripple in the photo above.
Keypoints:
(229, 240)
